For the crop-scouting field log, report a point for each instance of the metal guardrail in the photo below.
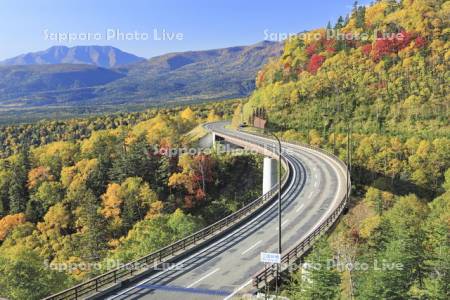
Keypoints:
(134, 268)
(266, 275)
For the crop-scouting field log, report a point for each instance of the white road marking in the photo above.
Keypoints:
(254, 245)
(250, 223)
(340, 189)
(316, 184)
(237, 290)
(310, 194)
(299, 208)
(209, 274)
(285, 222)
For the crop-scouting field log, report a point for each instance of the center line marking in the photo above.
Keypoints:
(300, 207)
(209, 274)
(254, 245)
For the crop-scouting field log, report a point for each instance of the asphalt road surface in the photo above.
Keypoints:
(224, 269)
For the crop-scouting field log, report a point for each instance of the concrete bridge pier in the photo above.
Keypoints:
(270, 167)
(214, 140)
(209, 141)
(270, 174)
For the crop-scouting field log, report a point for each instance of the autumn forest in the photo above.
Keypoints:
(102, 189)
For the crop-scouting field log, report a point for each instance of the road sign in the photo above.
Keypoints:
(273, 258)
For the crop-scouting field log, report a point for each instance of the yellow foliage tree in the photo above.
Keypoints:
(187, 115)
(55, 155)
(111, 203)
(314, 138)
(212, 116)
(38, 175)
(10, 222)
(237, 116)
(78, 174)
(56, 220)
(369, 225)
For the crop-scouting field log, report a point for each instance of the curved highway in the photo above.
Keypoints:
(224, 268)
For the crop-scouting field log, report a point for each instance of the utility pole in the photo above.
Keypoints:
(351, 146)
(242, 112)
(279, 207)
(349, 164)
(334, 139)
(279, 187)
(267, 131)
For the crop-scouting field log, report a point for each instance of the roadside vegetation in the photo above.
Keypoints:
(386, 100)
(81, 196)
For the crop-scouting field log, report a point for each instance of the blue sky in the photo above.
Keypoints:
(28, 26)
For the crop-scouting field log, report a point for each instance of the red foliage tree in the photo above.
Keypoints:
(420, 42)
(203, 171)
(385, 46)
(315, 62)
(287, 68)
(260, 78)
(331, 50)
(367, 49)
(311, 49)
(329, 45)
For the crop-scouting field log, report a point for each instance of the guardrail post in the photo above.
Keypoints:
(78, 291)
(265, 278)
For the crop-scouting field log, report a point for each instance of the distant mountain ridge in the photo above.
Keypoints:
(174, 77)
(102, 56)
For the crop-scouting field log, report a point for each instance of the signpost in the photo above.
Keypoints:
(273, 258)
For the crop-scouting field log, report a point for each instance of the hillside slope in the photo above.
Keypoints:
(381, 103)
(395, 84)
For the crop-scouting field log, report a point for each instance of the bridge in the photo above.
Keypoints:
(222, 261)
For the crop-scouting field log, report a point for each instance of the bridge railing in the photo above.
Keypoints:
(268, 274)
(127, 271)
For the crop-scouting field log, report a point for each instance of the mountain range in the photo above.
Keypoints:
(102, 56)
(56, 77)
